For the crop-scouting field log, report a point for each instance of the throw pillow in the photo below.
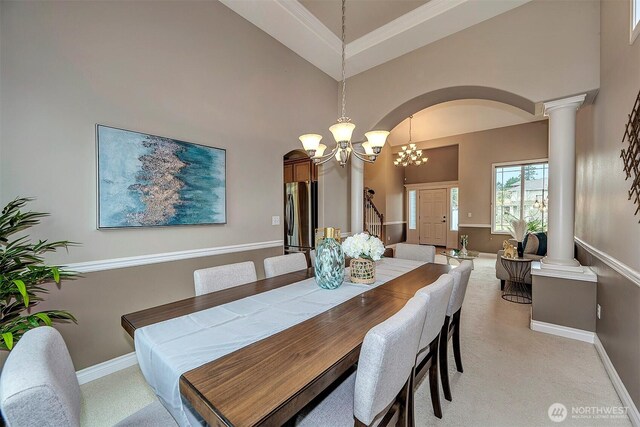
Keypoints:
(535, 244)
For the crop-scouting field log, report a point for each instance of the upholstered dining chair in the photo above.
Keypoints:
(413, 252)
(379, 389)
(436, 296)
(283, 264)
(39, 387)
(451, 326)
(222, 277)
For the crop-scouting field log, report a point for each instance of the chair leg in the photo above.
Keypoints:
(444, 359)
(404, 413)
(433, 379)
(456, 341)
(411, 420)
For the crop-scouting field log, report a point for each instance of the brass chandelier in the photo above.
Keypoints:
(343, 130)
(410, 155)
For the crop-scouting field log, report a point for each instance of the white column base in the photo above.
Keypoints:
(561, 264)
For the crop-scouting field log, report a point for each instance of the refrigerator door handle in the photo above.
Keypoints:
(289, 214)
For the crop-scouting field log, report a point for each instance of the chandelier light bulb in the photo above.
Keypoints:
(377, 138)
(342, 131)
(310, 141)
(320, 150)
(367, 148)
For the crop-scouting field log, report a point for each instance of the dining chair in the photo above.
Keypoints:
(451, 326)
(436, 296)
(39, 386)
(425, 253)
(222, 277)
(312, 258)
(379, 389)
(283, 264)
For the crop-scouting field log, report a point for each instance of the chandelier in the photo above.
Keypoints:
(343, 130)
(410, 155)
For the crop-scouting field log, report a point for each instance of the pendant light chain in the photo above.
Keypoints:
(410, 120)
(344, 79)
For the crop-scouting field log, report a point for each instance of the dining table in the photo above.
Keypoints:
(258, 353)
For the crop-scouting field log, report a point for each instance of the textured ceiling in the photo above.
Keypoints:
(456, 118)
(362, 16)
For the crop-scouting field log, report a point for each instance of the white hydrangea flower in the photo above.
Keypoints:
(362, 245)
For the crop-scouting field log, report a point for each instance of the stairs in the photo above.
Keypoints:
(373, 219)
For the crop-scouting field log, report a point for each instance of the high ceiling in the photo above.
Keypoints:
(377, 30)
(456, 118)
(363, 16)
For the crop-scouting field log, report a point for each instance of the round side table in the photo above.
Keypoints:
(516, 289)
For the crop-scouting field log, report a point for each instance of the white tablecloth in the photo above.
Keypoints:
(168, 349)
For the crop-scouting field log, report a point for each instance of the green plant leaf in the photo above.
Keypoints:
(56, 274)
(8, 339)
(46, 319)
(23, 291)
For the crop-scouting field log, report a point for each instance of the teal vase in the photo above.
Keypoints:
(329, 264)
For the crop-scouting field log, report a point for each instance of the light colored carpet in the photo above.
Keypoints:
(511, 374)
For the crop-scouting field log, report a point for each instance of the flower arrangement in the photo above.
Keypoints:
(518, 229)
(464, 240)
(363, 245)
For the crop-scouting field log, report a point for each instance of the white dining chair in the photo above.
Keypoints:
(451, 326)
(39, 386)
(379, 388)
(425, 253)
(436, 296)
(283, 264)
(222, 277)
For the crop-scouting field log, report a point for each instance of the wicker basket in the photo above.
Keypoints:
(363, 271)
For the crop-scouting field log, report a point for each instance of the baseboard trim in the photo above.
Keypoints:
(632, 410)
(612, 262)
(135, 261)
(562, 331)
(105, 368)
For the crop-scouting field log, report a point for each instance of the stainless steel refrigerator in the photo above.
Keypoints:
(300, 216)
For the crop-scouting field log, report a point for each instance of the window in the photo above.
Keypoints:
(453, 202)
(413, 220)
(635, 20)
(520, 191)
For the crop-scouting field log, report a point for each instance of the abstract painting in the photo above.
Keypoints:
(147, 180)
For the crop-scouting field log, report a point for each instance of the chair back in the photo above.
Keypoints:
(386, 360)
(412, 252)
(461, 276)
(283, 264)
(223, 277)
(312, 257)
(38, 386)
(437, 297)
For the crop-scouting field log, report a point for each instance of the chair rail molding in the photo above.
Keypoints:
(135, 261)
(619, 266)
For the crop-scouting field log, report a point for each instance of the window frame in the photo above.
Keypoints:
(450, 194)
(634, 20)
(493, 187)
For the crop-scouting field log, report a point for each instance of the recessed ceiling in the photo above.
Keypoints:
(456, 118)
(379, 30)
(362, 16)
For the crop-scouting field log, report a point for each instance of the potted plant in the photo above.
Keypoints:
(24, 275)
(363, 250)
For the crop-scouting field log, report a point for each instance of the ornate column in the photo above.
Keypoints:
(562, 178)
(357, 195)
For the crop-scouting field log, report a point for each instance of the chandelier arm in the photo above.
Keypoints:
(364, 158)
(325, 158)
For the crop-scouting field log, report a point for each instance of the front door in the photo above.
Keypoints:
(433, 217)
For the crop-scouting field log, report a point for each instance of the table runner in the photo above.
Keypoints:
(167, 349)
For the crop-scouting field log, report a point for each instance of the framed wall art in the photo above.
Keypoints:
(148, 181)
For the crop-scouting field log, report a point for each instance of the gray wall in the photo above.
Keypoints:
(441, 166)
(190, 70)
(604, 215)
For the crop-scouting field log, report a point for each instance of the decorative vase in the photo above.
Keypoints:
(329, 263)
(520, 250)
(363, 271)
(463, 251)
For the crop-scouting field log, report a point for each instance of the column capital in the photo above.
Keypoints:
(571, 102)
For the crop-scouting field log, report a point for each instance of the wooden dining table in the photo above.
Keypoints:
(269, 381)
